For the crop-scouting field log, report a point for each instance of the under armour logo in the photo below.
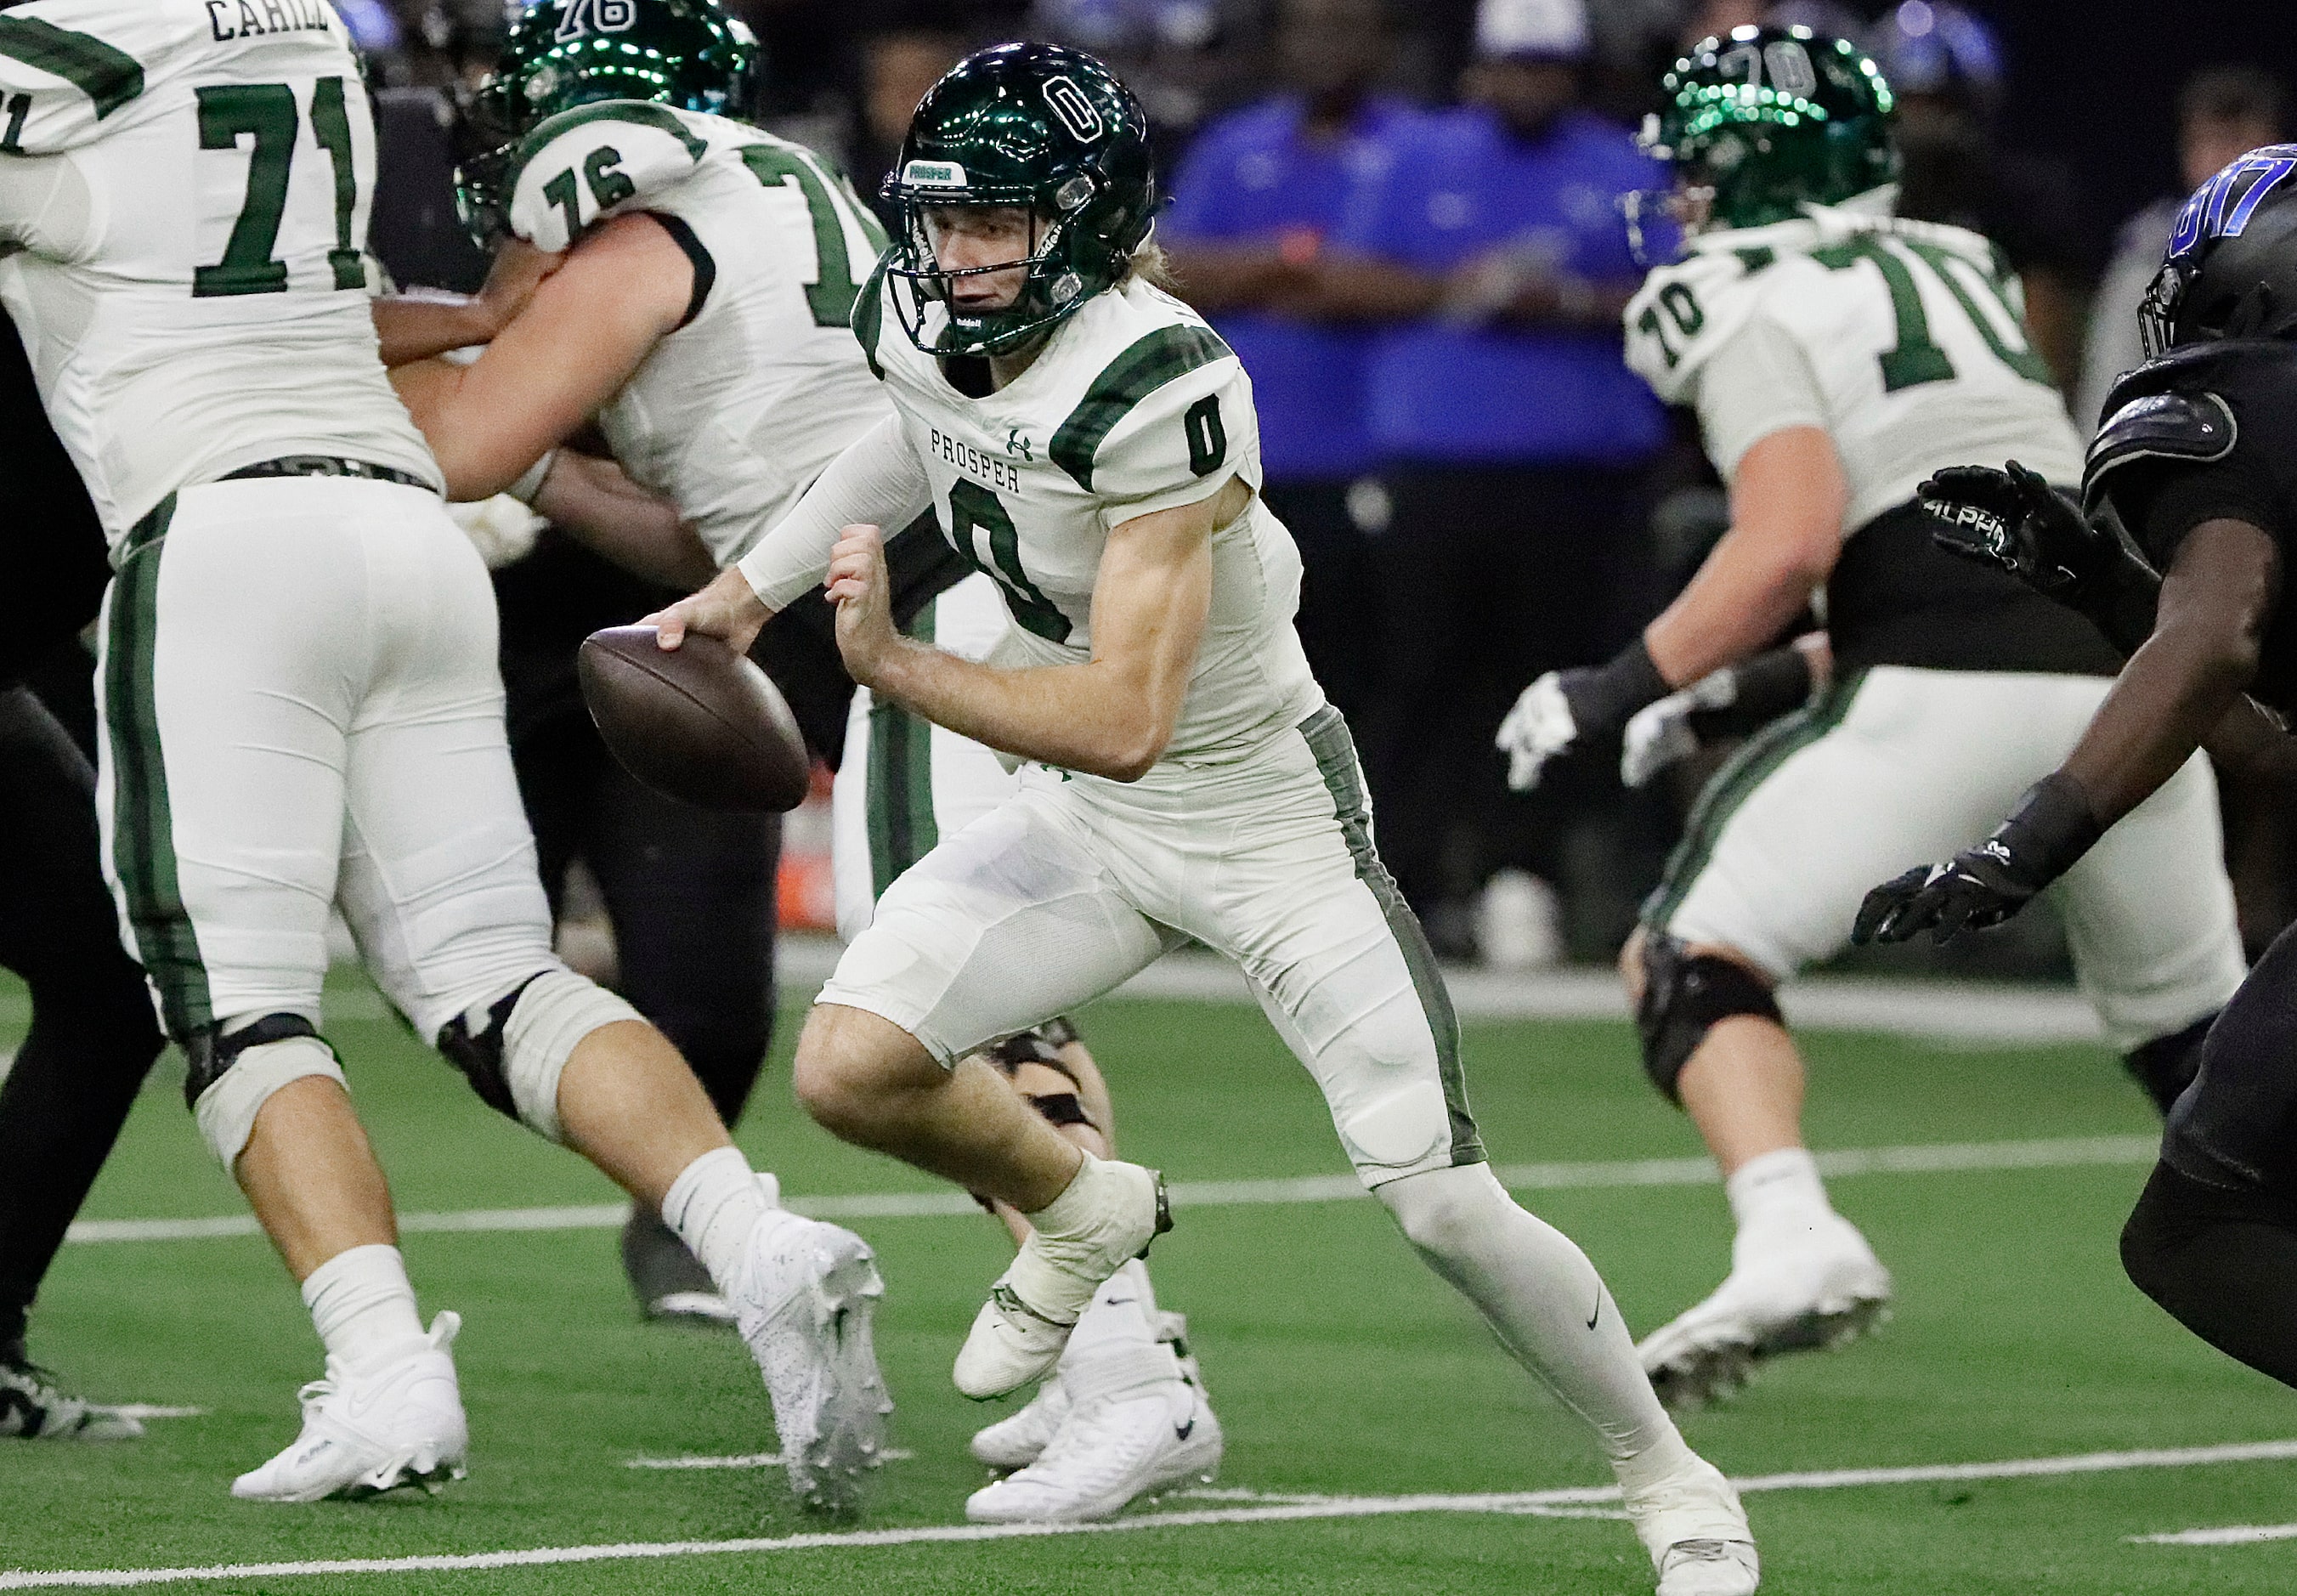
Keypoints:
(1017, 443)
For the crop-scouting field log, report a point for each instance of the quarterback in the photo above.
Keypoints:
(300, 707)
(701, 314)
(2179, 549)
(1836, 356)
(1087, 441)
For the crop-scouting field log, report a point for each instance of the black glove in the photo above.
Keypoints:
(2015, 522)
(1979, 887)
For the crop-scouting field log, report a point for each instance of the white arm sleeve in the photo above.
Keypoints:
(877, 481)
(1757, 383)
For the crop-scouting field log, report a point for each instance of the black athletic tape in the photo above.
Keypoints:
(1686, 997)
(480, 1058)
(1036, 1046)
(208, 1055)
(1061, 1109)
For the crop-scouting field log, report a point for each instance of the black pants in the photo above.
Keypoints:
(1488, 576)
(690, 895)
(1339, 620)
(2214, 1237)
(94, 1035)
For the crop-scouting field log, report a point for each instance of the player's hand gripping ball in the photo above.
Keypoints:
(699, 723)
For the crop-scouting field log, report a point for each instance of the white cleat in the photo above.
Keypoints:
(364, 1431)
(1018, 1439)
(803, 1300)
(1696, 1532)
(1020, 1331)
(1820, 1291)
(1107, 1453)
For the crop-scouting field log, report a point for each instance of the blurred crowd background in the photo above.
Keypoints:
(1404, 216)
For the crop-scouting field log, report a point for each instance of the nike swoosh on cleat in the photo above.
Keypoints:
(1181, 1432)
(1598, 1313)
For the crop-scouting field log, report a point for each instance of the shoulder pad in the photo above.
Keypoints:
(2197, 426)
(582, 165)
(1684, 312)
(868, 318)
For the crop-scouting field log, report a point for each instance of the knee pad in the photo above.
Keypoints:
(513, 1049)
(2167, 1065)
(1686, 997)
(230, 1077)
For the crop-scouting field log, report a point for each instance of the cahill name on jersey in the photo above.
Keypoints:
(1134, 406)
(184, 195)
(734, 414)
(1906, 341)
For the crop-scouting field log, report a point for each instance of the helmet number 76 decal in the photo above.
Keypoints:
(1076, 111)
(579, 17)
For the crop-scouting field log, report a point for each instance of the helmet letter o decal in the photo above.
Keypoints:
(1070, 103)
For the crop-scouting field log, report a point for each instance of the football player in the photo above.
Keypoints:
(702, 315)
(300, 705)
(1086, 440)
(2179, 549)
(1837, 356)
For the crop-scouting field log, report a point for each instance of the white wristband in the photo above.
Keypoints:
(531, 483)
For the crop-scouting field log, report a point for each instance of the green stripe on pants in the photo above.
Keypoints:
(144, 839)
(901, 826)
(1757, 759)
(1327, 736)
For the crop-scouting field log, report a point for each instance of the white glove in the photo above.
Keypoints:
(1660, 733)
(1536, 730)
(501, 529)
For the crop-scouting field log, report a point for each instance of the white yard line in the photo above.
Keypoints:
(1552, 1503)
(741, 1460)
(1922, 1159)
(2229, 1534)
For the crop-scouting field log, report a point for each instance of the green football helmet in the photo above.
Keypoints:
(1769, 120)
(1025, 125)
(562, 53)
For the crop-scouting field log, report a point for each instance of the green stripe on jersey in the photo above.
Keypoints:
(143, 837)
(642, 113)
(1327, 736)
(109, 76)
(902, 829)
(868, 319)
(1153, 360)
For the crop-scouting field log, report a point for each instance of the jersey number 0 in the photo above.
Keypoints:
(266, 114)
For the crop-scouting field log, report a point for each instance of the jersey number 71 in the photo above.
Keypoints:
(266, 114)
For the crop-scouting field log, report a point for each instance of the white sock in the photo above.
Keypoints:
(1122, 1314)
(1541, 1296)
(362, 1305)
(714, 1204)
(1780, 1191)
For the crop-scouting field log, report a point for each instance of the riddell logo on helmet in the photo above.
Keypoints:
(1070, 103)
(934, 174)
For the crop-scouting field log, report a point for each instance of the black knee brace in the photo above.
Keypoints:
(208, 1055)
(1042, 1045)
(2166, 1065)
(480, 1055)
(1686, 997)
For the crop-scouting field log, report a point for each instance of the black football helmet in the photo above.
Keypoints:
(2231, 270)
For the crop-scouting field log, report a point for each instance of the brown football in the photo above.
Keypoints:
(699, 723)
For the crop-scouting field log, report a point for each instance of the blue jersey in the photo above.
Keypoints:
(1253, 175)
(1460, 185)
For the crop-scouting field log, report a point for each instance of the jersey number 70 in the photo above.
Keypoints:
(266, 114)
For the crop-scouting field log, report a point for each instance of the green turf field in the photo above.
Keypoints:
(1340, 1367)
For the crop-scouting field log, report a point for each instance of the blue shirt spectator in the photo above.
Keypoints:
(1457, 386)
(1256, 175)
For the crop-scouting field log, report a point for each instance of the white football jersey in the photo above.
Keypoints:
(1911, 340)
(736, 413)
(1134, 406)
(183, 197)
